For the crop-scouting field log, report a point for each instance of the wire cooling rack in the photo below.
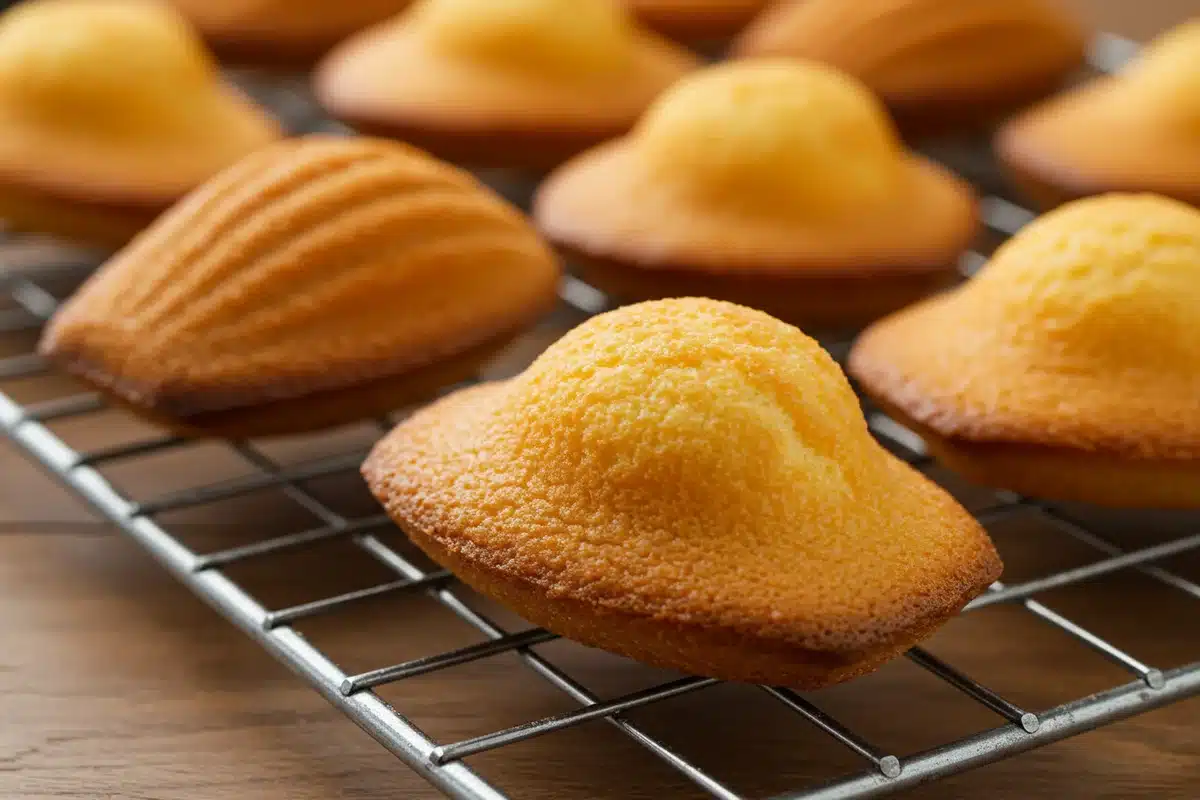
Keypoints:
(34, 292)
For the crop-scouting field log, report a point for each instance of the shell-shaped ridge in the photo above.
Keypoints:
(900, 46)
(311, 264)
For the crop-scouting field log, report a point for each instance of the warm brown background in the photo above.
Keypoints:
(115, 682)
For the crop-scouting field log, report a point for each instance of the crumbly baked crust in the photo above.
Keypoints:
(1067, 367)
(634, 490)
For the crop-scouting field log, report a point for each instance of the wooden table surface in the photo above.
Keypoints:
(116, 682)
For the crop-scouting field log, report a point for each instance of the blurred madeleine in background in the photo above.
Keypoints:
(110, 111)
(282, 32)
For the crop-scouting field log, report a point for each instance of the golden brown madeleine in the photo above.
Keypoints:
(318, 281)
(501, 83)
(110, 111)
(282, 32)
(1136, 132)
(939, 65)
(689, 483)
(776, 184)
(1069, 368)
(697, 21)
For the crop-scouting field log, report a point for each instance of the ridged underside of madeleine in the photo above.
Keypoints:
(914, 45)
(312, 264)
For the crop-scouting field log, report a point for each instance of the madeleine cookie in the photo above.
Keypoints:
(501, 83)
(282, 32)
(1069, 367)
(939, 65)
(316, 282)
(697, 21)
(1138, 131)
(775, 184)
(110, 111)
(691, 484)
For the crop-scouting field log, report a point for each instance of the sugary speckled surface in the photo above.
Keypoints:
(1082, 333)
(929, 58)
(115, 100)
(1150, 116)
(315, 264)
(699, 467)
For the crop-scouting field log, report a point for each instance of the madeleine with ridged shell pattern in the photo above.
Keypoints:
(318, 281)
(939, 65)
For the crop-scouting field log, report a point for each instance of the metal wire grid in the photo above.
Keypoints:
(442, 764)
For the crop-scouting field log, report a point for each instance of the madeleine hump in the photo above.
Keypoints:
(110, 111)
(778, 184)
(689, 483)
(318, 281)
(1069, 367)
(939, 65)
(517, 84)
(1149, 114)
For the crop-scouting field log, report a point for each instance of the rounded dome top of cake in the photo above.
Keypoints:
(690, 461)
(788, 135)
(574, 37)
(117, 67)
(1168, 75)
(695, 409)
(1115, 276)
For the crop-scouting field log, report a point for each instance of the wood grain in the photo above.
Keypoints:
(115, 682)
